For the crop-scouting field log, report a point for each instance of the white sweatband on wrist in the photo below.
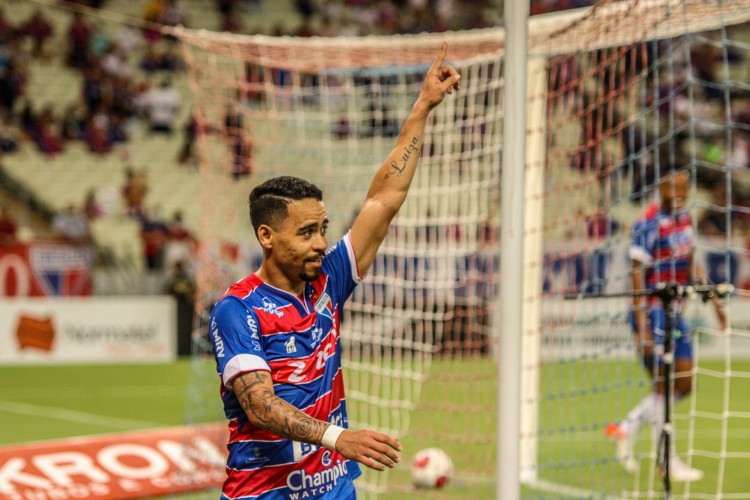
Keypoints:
(330, 436)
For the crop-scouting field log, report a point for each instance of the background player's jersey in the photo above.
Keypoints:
(255, 326)
(663, 243)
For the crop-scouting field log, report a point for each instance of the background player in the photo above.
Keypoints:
(275, 332)
(661, 250)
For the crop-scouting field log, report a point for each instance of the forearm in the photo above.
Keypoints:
(391, 182)
(269, 412)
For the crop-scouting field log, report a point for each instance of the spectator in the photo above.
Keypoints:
(79, 42)
(97, 133)
(94, 88)
(601, 226)
(231, 22)
(155, 60)
(154, 235)
(173, 14)
(242, 150)
(91, 208)
(181, 243)
(6, 28)
(8, 140)
(187, 151)
(71, 226)
(8, 228)
(49, 138)
(12, 85)
(39, 29)
(134, 192)
(115, 63)
(152, 13)
(160, 106)
(73, 122)
(128, 39)
(182, 287)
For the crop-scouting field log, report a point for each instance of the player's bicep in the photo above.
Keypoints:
(368, 232)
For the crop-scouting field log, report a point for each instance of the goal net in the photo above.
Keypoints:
(420, 333)
(634, 91)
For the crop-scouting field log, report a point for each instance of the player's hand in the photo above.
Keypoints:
(439, 80)
(373, 449)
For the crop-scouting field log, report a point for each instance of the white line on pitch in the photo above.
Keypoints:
(559, 488)
(80, 417)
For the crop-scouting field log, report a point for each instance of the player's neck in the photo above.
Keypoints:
(277, 279)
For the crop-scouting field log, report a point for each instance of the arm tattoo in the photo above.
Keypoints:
(270, 412)
(398, 167)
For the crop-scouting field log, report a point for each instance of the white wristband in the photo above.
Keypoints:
(330, 436)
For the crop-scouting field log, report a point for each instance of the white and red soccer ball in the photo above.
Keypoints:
(431, 468)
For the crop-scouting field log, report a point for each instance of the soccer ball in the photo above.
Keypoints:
(431, 468)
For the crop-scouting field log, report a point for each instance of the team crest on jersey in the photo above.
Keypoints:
(271, 307)
(323, 306)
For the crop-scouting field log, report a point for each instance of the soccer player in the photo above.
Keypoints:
(276, 332)
(662, 252)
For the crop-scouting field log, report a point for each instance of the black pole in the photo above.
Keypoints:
(667, 295)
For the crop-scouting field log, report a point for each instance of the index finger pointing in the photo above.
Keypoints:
(440, 57)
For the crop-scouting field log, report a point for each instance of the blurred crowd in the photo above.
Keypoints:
(113, 95)
(680, 121)
(126, 77)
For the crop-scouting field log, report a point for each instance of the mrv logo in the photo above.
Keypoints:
(218, 342)
(307, 485)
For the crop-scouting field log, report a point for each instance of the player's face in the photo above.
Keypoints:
(674, 192)
(301, 242)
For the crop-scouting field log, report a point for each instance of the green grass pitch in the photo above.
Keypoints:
(46, 402)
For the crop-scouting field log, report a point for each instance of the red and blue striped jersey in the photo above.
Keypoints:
(663, 242)
(255, 326)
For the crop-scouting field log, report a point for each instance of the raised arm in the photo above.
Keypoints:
(269, 412)
(391, 182)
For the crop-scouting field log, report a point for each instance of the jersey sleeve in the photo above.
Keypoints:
(642, 242)
(340, 264)
(235, 335)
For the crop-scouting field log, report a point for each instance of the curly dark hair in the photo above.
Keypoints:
(268, 201)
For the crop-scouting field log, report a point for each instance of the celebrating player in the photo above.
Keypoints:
(276, 332)
(662, 252)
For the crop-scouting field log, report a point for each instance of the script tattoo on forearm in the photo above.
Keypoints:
(398, 167)
(273, 413)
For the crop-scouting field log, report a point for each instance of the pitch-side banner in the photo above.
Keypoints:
(119, 466)
(81, 330)
(575, 327)
(45, 269)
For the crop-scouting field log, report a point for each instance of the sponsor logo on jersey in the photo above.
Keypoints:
(218, 342)
(271, 308)
(291, 345)
(305, 484)
(317, 334)
(253, 326)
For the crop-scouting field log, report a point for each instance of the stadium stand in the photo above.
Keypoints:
(56, 174)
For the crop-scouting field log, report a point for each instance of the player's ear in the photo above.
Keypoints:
(265, 236)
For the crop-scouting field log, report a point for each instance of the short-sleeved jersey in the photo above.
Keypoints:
(663, 242)
(255, 326)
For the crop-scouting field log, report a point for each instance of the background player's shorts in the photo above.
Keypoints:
(683, 341)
